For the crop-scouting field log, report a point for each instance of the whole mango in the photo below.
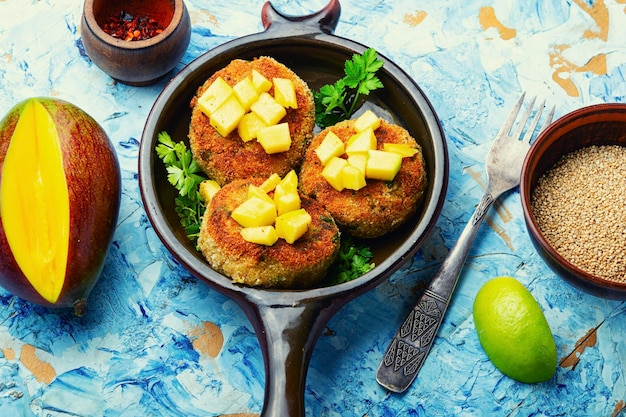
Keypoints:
(59, 201)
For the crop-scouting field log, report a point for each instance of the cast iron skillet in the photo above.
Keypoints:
(288, 323)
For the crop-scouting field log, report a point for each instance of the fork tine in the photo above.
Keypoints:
(508, 123)
(548, 119)
(533, 124)
(522, 122)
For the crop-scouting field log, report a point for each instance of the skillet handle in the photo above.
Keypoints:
(324, 20)
(287, 335)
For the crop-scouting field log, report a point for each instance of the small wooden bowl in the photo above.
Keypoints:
(602, 124)
(137, 62)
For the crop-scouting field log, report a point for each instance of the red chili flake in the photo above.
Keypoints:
(131, 28)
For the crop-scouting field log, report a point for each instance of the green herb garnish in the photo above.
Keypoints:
(182, 173)
(353, 260)
(336, 102)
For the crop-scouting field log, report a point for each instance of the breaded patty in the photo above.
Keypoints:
(224, 159)
(302, 264)
(380, 206)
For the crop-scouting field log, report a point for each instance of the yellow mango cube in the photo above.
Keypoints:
(275, 139)
(262, 235)
(330, 147)
(213, 97)
(246, 93)
(367, 120)
(208, 188)
(249, 125)
(254, 191)
(404, 149)
(332, 172)
(358, 160)
(261, 84)
(268, 109)
(293, 225)
(361, 142)
(285, 93)
(286, 200)
(382, 165)
(226, 117)
(353, 178)
(290, 181)
(270, 183)
(255, 212)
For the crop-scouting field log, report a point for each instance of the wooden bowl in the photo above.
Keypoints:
(136, 62)
(602, 124)
(288, 323)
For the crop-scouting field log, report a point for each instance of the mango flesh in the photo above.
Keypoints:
(59, 200)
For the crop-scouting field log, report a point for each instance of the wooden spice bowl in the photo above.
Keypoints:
(136, 62)
(602, 124)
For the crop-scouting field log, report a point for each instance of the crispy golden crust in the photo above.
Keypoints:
(227, 158)
(380, 206)
(283, 265)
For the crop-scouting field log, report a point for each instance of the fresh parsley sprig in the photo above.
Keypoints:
(184, 174)
(353, 260)
(338, 101)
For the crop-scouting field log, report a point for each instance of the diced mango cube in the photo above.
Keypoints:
(254, 191)
(353, 178)
(293, 225)
(382, 165)
(285, 93)
(358, 160)
(262, 235)
(290, 181)
(330, 146)
(275, 139)
(246, 93)
(286, 200)
(268, 109)
(255, 212)
(207, 189)
(332, 172)
(270, 183)
(404, 149)
(361, 142)
(217, 93)
(261, 84)
(367, 120)
(227, 116)
(249, 125)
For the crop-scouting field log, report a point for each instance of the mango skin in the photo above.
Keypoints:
(94, 184)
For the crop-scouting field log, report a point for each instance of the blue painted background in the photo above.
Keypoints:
(156, 342)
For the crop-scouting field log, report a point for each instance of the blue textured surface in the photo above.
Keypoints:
(156, 342)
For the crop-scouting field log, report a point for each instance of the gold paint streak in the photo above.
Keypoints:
(9, 354)
(415, 19)
(596, 64)
(588, 340)
(487, 18)
(600, 14)
(199, 16)
(43, 371)
(207, 339)
(619, 407)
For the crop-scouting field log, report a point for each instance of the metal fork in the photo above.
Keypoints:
(413, 340)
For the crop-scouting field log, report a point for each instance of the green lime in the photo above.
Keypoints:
(513, 331)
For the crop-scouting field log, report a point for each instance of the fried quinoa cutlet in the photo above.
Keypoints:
(380, 206)
(300, 265)
(224, 159)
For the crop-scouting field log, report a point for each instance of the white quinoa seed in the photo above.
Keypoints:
(580, 208)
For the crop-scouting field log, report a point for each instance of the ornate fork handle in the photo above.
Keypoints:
(415, 337)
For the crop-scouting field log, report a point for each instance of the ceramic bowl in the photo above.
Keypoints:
(602, 124)
(288, 323)
(136, 62)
